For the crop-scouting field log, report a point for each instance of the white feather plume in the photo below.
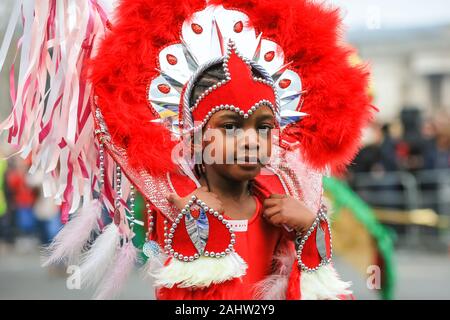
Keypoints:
(323, 284)
(201, 272)
(115, 278)
(97, 261)
(274, 286)
(69, 242)
(153, 265)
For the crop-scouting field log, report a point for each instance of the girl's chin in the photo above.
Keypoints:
(246, 171)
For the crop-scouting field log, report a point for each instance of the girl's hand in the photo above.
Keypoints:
(202, 193)
(284, 210)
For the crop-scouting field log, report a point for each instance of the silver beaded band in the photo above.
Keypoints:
(169, 231)
(132, 204)
(150, 222)
(301, 240)
(242, 113)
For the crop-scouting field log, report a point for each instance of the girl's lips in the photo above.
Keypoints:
(248, 167)
(246, 160)
(247, 163)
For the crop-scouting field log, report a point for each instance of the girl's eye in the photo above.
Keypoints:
(230, 126)
(265, 127)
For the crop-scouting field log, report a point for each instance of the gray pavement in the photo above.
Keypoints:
(421, 275)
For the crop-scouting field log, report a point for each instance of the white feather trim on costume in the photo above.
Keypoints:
(98, 260)
(274, 286)
(153, 265)
(323, 284)
(70, 241)
(201, 272)
(116, 276)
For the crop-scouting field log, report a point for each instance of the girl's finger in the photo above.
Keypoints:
(276, 219)
(269, 212)
(271, 202)
(172, 198)
(277, 196)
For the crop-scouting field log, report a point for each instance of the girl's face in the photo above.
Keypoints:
(236, 148)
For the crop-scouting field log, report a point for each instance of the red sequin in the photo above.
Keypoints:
(196, 28)
(238, 27)
(284, 83)
(117, 217)
(195, 212)
(164, 88)
(269, 56)
(171, 59)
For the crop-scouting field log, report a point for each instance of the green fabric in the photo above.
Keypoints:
(139, 238)
(344, 197)
(3, 207)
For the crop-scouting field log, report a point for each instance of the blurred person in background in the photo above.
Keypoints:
(5, 226)
(414, 147)
(440, 150)
(46, 212)
(378, 154)
(22, 201)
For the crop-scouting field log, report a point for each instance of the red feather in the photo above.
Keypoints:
(293, 289)
(336, 100)
(122, 70)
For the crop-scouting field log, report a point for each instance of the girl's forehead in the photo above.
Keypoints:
(262, 113)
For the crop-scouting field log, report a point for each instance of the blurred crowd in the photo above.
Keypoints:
(25, 214)
(404, 169)
(411, 143)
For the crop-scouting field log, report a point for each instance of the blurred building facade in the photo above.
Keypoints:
(410, 68)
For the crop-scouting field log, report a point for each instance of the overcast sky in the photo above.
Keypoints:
(394, 14)
(359, 14)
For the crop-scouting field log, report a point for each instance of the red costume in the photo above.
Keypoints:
(142, 66)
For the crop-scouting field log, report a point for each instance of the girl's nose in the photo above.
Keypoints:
(249, 140)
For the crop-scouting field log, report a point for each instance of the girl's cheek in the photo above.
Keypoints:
(265, 150)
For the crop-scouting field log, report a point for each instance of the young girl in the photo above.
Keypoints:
(244, 198)
(224, 115)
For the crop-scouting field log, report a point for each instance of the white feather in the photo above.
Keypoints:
(201, 272)
(323, 284)
(96, 261)
(69, 242)
(274, 286)
(113, 281)
(153, 265)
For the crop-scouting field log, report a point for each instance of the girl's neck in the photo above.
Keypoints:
(225, 188)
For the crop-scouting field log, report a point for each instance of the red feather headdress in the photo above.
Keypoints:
(332, 92)
(140, 83)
